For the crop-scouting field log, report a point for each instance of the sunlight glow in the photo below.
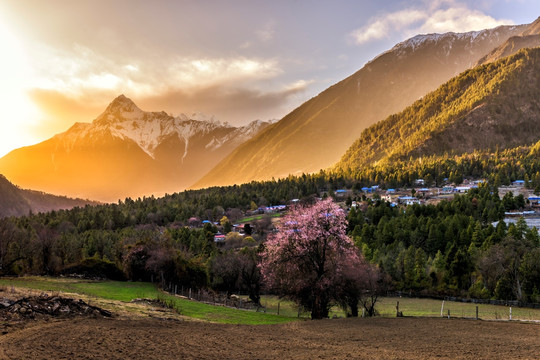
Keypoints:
(18, 111)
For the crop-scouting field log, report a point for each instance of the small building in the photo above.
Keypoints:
(534, 201)
(419, 182)
(408, 200)
(518, 183)
(218, 238)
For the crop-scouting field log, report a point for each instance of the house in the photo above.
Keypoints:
(408, 200)
(447, 190)
(518, 183)
(239, 228)
(534, 201)
(341, 192)
(219, 238)
(419, 182)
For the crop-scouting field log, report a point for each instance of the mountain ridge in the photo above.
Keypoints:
(18, 202)
(316, 134)
(490, 106)
(125, 152)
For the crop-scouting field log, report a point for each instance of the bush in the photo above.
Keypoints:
(95, 268)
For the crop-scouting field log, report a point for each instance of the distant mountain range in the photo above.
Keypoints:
(493, 106)
(316, 135)
(16, 202)
(125, 152)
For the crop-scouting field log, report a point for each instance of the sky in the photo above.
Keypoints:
(64, 61)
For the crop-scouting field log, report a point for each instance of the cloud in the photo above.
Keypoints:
(81, 68)
(235, 105)
(78, 84)
(267, 32)
(381, 27)
(433, 17)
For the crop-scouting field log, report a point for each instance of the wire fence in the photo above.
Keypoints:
(389, 306)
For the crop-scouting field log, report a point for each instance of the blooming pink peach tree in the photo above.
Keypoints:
(311, 260)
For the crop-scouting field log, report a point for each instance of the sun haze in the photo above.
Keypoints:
(64, 61)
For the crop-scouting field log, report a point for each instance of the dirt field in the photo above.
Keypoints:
(379, 338)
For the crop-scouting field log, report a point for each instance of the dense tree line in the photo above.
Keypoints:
(453, 247)
(448, 248)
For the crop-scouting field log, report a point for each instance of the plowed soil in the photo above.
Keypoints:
(378, 338)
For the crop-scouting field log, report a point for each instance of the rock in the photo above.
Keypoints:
(55, 307)
(4, 303)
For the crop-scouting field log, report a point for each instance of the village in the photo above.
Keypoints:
(419, 194)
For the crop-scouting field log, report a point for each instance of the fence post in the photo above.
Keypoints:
(442, 308)
(363, 312)
(449, 313)
(278, 307)
(175, 288)
(265, 303)
(476, 312)
(397, 309)
(510, 313)
(189, 294)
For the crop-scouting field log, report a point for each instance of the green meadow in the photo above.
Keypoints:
(288, 311)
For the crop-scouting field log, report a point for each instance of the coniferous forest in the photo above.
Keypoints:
(458, 247)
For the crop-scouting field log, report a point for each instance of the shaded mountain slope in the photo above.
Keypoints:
(493, 105)
(16, 202)
(316, 134)
(529, 38)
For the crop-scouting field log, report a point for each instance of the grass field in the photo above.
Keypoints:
(127, 291)
(258, 217)
(288, 311)
(416, 307)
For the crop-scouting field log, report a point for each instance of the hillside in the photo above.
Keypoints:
(316, 134)
(125, 152)
(490, 106)
(17, 202)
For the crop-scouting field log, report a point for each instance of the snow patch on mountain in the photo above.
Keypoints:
(124, 120)
(418, 41)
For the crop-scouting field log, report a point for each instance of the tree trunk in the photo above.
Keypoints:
(320, 308)
(354, 308)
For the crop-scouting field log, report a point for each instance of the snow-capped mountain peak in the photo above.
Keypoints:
(123, 119)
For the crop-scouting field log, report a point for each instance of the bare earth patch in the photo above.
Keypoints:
(378, 338)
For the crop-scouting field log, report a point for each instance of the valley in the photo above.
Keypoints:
(393, 215)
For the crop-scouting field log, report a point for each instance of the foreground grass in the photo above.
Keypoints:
(127, 291)
(432, 308)
(288, 311)
(386, 306)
